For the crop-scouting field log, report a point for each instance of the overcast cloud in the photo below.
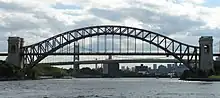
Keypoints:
(183, 20)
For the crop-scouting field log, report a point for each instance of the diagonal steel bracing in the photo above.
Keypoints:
(33, 54)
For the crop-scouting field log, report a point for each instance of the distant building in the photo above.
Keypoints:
(175, 65)
(123, 68)
(180, 69)
(96, 66)
(154, 66)
(105, 68)
(111, 69)
(127, 68)
(141, 69)
(169, 67)
(133, 69)
(162, 70)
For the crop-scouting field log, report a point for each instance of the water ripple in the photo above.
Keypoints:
(109, 88)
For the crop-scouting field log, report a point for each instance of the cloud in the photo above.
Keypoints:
(107, 14)
(12, 6)
(195, 1)
(183, 20)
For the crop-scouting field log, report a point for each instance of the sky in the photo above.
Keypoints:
(36, 20)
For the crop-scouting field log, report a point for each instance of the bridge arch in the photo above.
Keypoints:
(33, 54)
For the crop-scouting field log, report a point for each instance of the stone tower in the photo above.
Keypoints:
(15, 45)
(206, 53)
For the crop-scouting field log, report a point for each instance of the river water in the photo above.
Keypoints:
(109, 88)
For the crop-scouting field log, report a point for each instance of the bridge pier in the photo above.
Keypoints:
(76, 57)
(206, 54)
(15, 45)
(76, 67)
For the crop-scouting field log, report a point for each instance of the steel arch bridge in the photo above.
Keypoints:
(35, 53)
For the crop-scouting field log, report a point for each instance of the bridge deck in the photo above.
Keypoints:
(155, 54)
(116, 61)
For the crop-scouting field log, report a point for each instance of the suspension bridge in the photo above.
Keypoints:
(111, 40)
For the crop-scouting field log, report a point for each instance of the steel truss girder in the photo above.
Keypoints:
(54, 43)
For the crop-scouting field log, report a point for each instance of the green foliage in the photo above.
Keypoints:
(32, 73)
(8, 70)
(127, 73)
(189, 74)
(217, 70)
(89, 71)
(215, 76)
(47, 70)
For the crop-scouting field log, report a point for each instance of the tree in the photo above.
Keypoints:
(8, 70)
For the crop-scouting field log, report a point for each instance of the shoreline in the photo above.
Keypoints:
(202, 79)
(70, 77)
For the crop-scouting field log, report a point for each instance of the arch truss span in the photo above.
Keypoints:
(33, 54)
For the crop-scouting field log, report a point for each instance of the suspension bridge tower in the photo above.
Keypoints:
(76, 56)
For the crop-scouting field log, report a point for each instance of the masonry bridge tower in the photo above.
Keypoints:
(15, 51)
(206, 54)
